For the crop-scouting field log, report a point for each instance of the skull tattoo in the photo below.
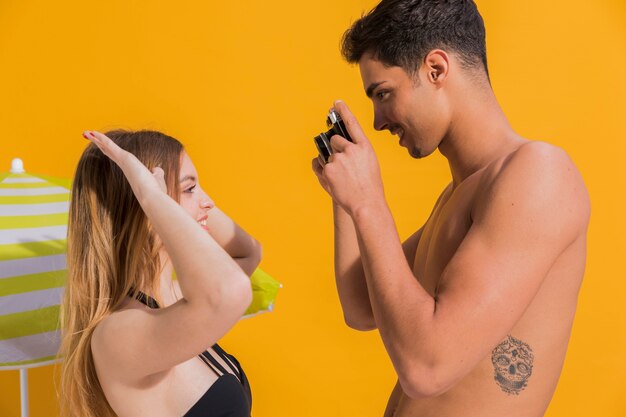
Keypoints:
(513, 364)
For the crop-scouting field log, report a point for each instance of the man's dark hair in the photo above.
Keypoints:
(402, 32)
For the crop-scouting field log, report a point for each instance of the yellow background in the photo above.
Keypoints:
(245, 85)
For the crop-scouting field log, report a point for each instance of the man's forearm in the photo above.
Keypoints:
(349, 274)
(402, 309)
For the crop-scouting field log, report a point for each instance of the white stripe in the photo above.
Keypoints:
(34, 209)
(8, 192)
(37, 234)
(22, 180)
(30, 365)
(27, 301)
(28, 266)
(29, 347)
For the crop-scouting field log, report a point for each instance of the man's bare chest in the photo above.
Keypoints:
(442, 236)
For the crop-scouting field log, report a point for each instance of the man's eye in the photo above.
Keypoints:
(381, 94)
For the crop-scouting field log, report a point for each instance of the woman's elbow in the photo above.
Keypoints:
(240, 293)
(257, 253)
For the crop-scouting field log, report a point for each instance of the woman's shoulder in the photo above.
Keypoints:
(112, 338)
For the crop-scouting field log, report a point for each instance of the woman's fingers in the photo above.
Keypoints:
(159, 175)
(106, 145)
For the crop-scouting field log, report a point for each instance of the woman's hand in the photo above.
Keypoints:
(135, 171)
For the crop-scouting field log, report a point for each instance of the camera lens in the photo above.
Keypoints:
(323, 146)
(337, 127)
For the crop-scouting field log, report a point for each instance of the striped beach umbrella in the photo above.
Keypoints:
(33, 228)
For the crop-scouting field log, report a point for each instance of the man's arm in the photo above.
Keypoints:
(532, 212)
(349, 273)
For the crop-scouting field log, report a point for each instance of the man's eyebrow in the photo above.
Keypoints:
(188, 177)
(371, 88)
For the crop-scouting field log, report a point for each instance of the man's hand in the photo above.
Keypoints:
(352, 175)
(318, 168)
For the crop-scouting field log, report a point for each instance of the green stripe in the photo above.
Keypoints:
(32, 249)
(34, 199)
(29, 322)
(23, 222)
(4, 175)
(46, 359)
(29, 185)
(63, 182)
(32, 282)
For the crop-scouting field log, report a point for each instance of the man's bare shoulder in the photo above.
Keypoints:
(531, 159)
(542, 155)
(538, 167)
(537, 175)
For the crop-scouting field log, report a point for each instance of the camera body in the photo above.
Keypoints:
(336, 127)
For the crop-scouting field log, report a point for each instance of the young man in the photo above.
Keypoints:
(475, 308)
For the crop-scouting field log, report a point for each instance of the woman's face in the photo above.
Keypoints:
(192, 197)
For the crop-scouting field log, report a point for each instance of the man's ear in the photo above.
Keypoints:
(436, 66)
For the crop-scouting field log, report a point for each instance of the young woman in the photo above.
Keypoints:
(136, 342)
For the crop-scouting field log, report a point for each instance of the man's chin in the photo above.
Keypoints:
(416, 153)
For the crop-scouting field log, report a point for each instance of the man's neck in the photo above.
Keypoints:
(479, 134)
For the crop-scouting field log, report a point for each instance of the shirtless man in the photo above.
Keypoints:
(475, 308)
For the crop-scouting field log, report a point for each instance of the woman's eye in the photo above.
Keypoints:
(190, 189)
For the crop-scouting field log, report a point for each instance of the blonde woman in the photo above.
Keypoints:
(136, 342)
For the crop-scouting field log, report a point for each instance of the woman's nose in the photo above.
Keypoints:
(207, 203)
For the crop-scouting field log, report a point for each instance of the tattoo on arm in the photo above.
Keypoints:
(513, 364)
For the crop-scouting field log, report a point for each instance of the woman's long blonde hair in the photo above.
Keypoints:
(111, 252)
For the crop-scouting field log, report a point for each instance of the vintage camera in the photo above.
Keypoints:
(336, 127)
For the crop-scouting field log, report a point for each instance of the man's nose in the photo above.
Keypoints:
(380, 123)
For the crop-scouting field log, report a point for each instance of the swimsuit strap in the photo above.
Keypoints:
(146, 299)
(225, 357)
(205, 356)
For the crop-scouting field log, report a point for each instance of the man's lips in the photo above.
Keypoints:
(399, 132)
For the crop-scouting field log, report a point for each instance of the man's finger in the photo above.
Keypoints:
(352, 124)
(339, 144)
(317, 164)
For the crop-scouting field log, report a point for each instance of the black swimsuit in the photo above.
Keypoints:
(230, 394)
